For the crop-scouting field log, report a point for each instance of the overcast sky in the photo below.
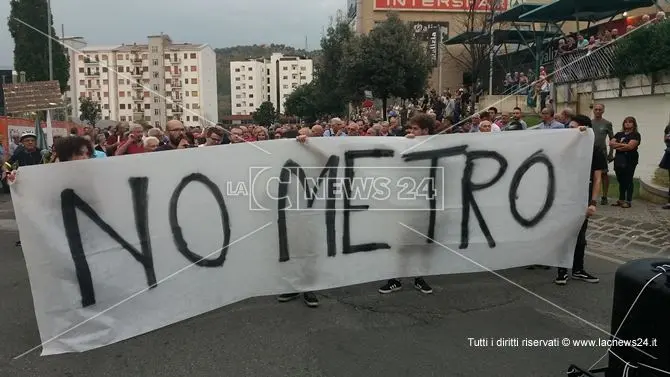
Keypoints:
(221, 23)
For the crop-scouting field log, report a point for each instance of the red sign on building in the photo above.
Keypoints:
(441, 5)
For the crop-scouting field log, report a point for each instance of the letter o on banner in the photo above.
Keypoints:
(178, 235)
(536, 158)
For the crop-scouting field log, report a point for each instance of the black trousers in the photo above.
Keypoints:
(625, 178)
(580, 248)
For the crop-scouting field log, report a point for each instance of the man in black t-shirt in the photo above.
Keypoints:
(598, 164)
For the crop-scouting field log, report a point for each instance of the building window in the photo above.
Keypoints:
(237, 69)
(250, 78)
(156, 112)
(251, 96)
(188, 118)
(285, 86)
(250, 69)
(284, 68)
(122, 94)
(193, 56)
(303, 68)
(194, 68)
(195, 118)
(106, 94)
(155, 75)
(251, 86)
(196, 106)
(147, 106)
(154, 48)
(237, 87)
(155, 86)
(122, 106)
(81, 70)
(123, 118)
(237, 79)
(193, 81)
(154, 62)
(194, 93)
(157, 99)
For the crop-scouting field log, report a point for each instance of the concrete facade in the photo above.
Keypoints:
(636, 97)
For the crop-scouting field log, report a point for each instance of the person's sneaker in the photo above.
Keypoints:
(584, 276)
(288, 297)
(421, 285)
(603, 201)
(562, 278)
(392, 285)
(310, 299)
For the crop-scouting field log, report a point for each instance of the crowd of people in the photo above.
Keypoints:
(432, 116)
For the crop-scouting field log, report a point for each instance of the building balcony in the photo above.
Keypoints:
(91, 62)
(94, 87)
(176, 84)
(92, 73)
(177, 99)
(584, 65)
(177, 110)
(137, 85)
(136, 75)
(176, 74)
(137, 111)
(138, 99)
(136, 61)
(175, 61)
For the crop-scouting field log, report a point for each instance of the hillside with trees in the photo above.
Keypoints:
(225, 55)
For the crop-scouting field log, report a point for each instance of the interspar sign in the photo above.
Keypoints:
(441, 5)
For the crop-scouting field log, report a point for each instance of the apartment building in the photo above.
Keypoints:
(151, 82)
(273, 79)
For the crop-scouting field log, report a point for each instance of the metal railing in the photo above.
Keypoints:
(584, 65)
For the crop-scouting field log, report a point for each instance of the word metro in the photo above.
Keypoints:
(286, 222)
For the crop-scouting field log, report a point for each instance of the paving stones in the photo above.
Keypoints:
(640, 231)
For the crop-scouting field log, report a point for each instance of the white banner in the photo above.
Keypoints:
(108, 242)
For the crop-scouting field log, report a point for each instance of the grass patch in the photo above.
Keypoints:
(661, 178)
(532, 119)
(614, 188)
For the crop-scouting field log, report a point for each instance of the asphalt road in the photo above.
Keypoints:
(355, 331)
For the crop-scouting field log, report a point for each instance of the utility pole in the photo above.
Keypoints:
(49, 133)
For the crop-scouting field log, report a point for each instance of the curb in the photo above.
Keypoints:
(653, 193)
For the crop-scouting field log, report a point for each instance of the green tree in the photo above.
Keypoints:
(265, 114)
(90, 111)
(304, 101)
(645, 51)
(389, 61)
(333, 92)
(31, 48)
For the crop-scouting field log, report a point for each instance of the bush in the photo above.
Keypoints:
(643, 51)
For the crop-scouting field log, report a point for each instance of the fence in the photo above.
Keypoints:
(584, 65)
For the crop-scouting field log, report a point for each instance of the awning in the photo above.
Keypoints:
(463, 38)
(520, 37)
(515, 12)
(582, 10)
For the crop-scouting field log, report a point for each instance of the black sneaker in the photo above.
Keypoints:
(310, 299)
(288, 297)
(421, 285)
(562, 278)
(603, 201)
(392, 285)
(584, 276)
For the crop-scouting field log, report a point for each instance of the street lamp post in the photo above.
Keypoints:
(49, 133)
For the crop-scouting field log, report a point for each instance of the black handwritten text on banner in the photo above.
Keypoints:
(329, 214)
